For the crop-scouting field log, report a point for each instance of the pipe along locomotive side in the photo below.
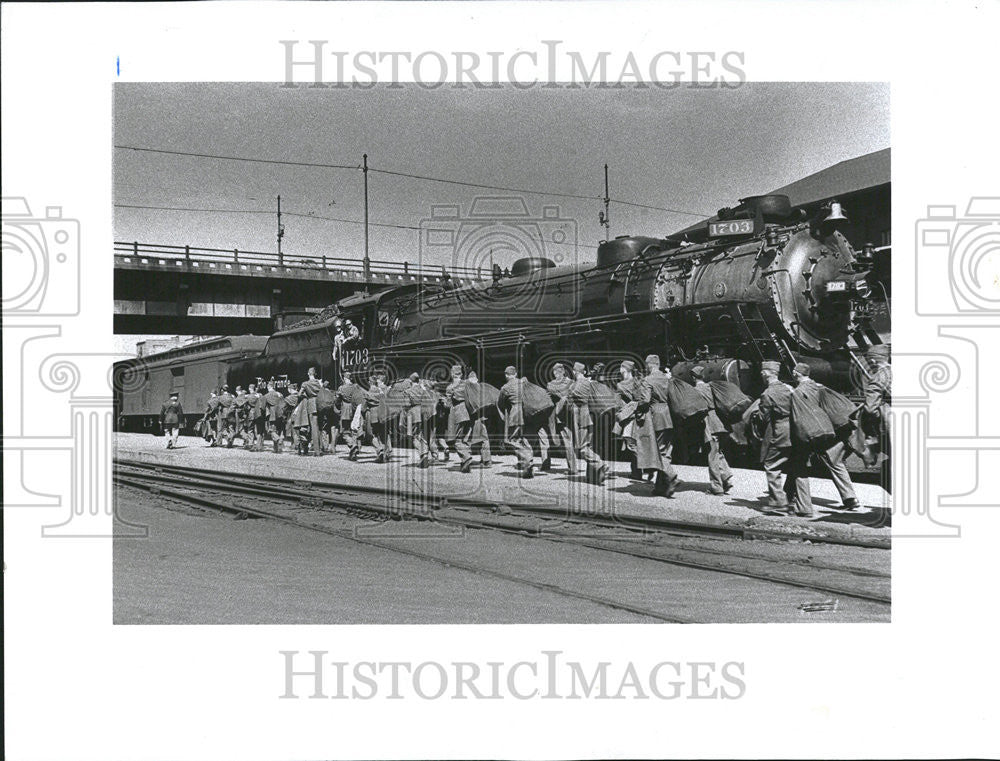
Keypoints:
(767, 283)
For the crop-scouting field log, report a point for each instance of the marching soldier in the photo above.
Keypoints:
(225, 428)
(878, 403)
(253, 435)
(209, 419)
(832, 457)
(414, 416)
(275, 408)
(377, 418)
(638, 431)
(239, 414)
(436, 420)
(291, 402)
(560, 420)
(663, 424)
(479, 436)
(720, 477)
(308, 391)
(580, 394)
(459, 423)
(777, 451)
(510, 404)
(350, 395)
(171, 415)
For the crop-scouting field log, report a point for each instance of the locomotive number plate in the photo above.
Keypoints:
(731, 227)
(836, 285)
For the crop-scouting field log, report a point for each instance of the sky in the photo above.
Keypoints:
(689, 150)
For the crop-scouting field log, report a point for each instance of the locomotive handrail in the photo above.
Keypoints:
(297, 261)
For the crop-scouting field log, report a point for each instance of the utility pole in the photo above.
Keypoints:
(367, 261)
(281, 234)
(605, 216)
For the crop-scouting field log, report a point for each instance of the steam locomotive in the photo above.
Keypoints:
(766, 283)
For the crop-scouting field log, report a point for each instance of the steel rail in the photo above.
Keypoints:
(266, 487)
(447, 563)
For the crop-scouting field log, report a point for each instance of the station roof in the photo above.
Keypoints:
(861, 173)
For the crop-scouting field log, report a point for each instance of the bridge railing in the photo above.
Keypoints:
(297, 261)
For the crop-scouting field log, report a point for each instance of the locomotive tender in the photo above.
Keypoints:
(767, 283)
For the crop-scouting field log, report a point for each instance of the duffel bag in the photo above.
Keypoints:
(838, 408)
(602, 398)
(535, 400)
(811, 426)
(685, 401)
(730, 401)
(479, 396)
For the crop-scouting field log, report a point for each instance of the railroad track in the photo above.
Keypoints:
(654, 539)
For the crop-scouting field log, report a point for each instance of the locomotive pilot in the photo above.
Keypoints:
(658, 381)
(636, 421)
(275, 408)
(580, 394)
(310, 416)
(171, 415)
(510, 405)
(720, 477)
(777, 452)
(833, 456)
(560, 419)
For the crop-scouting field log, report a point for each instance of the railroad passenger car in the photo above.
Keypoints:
(144, 383)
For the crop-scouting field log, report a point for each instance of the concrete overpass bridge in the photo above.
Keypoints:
(209, 291)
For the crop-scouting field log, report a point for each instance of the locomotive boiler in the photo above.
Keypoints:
(766, 283)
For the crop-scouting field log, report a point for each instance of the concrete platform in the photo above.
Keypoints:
(743, 508)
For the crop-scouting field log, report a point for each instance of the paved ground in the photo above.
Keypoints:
(620, 495)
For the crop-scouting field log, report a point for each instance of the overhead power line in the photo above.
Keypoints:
(239, 158)
(427, 178)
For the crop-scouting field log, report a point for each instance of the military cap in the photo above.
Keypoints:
(174, 395)
(698, 371)
(414, 377)
(652, 359)
(379, 372)
(879, 350)
(456, 368)
(510, 370)
(628, 364)
(558, 366)
(802, 368)
(579, 367)
(225, 388)
(770, 365)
